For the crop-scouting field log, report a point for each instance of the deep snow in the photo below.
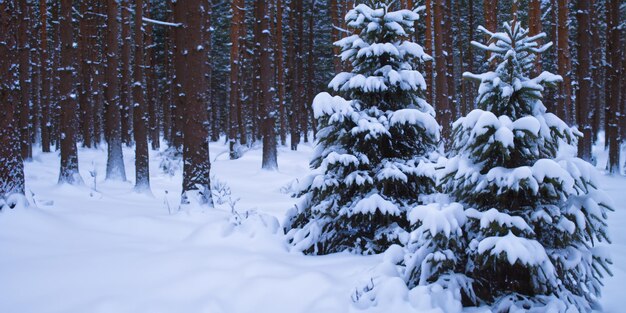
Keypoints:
(113, 250)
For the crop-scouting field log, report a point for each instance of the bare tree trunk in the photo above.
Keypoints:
(335, 17)
(597, 75)
(126, 113)
(428, 46)
(12, 169)
(84, 83)
(535, 27)
(311, 67)
(179, 96)
(292, 76)
(24, 78)
(151, 84)
(442, 102)
(564, 62)
(115, 158)
(612, 85)
(280, 72)
(447, 47)
(197, 167)
(584, 113)
(235, 61)
(45, 80)
(142, 171)
(69, 155)
(266, 107)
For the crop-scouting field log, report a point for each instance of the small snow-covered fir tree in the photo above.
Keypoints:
(527, 237)
(374, 150)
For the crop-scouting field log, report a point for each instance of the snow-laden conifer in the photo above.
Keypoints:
(376, 141)
(527, 238)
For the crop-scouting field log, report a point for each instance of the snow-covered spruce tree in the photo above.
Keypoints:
(533, 215)
(373, 157)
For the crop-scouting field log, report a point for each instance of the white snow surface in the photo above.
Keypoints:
(113, 250)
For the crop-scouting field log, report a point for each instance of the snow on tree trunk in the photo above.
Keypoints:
(197, 167)
(69, 153)
(12, 169)
(115, 159)
(375, 141)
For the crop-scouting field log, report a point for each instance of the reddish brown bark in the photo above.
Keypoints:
(24, 78)
(442, 103)
(583, 76)
(12, 169)
(564, 60)
(235, 61)
(69, 154)
(45, 79)
(142, 171)
(197, 168)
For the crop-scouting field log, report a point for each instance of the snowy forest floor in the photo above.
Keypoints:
(113, 250)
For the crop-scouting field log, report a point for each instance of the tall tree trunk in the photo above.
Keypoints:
(612, 85)
(335, 17)
(69, 155)
(115, 159)
(584, 113)
(266, 107)
(151, 84)
(142, 171)
(428, 46)
(280, 72)
(45, 79)
(84, 83)
(535, 27)
(12, 169)
(235, 60)
(311, 67)
(442, 102)
(292, 76)
(24, 78)
(597, 97)
(179, 77)
(448, 43)
(126, 113)
(197, 167)
(564, 62)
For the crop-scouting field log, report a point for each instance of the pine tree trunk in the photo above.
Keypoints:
(179, 78)
(84, 83)
(311, 67)
(335, 17)
(115, 159)
(197, 168)
(235, 60)
(428, 47)
(597, 97)
(442, 103)
(584, 113)
(124, 92)
(45, 79)
(612, 85)
(12, 169)
(535, 27)
(564, 63)
(69, 155)
(142, 171)
(150, 91)
(280, 72)
(24, 78)
(266, 105)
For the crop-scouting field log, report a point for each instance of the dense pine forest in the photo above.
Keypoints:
(460, 139)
